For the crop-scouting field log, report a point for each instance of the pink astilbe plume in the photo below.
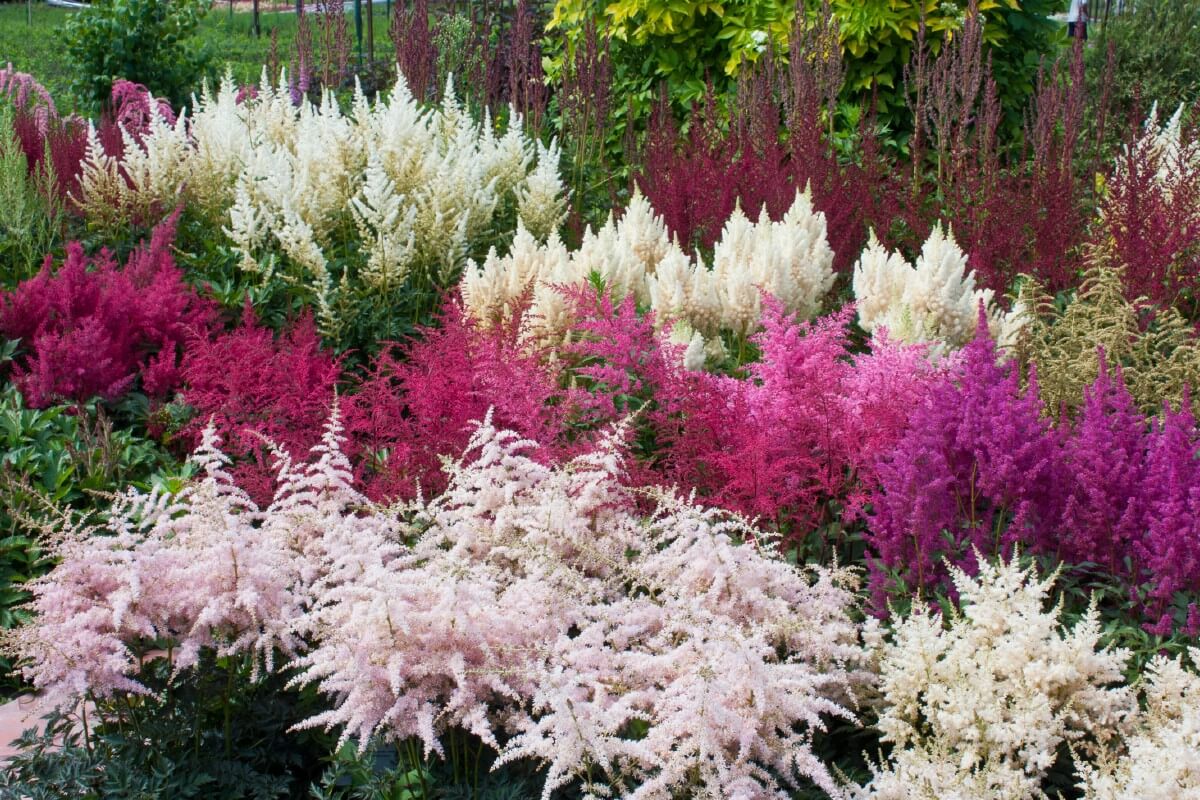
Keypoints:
(418, 402)
(91, 329)
(253, 386)
(202, 570)
(134, 108)
(533, 592)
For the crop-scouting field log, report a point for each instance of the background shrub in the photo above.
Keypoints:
(149, 42)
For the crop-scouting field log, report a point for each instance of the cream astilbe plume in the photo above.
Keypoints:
(933, 300)
(412, 190)
(978, 704)
(1160, 760)
(635, 255)
(542, 198)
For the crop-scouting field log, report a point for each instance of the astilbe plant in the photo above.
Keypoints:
(1156, 349)
(520, 611)
(981, 467)
(201, 570)
(409, 409)
(976, 451)
(804, 426)
(977, 702)
(1157, 760)
(93, 329)
(416, 405)
(254, 387)
(1149, 217)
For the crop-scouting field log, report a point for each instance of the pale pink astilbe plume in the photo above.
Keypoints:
(537, 601)
(202, 570)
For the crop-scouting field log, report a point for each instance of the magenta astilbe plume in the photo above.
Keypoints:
(91, 332)
(1169, 551)
(134, 108)
(251, 385)
(1105, 509)
(979, 466)
(777, 446)
(419, 405)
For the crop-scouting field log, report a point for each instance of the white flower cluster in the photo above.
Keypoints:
(789, 259)
(933, 300)
(977, 706)
(420, 187)
(1166, 146)
(1161, 759)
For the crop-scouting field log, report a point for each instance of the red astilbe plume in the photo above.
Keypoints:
(252, 386)
(416, 54)
(1151, 216)
(526, 80)
(696, 182)
(417, 404)
(91, 329)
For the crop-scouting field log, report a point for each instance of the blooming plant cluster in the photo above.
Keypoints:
(729, 472)
(978, 705)
(980, 466)
(536, 604)
(333, 202)
(90, 329)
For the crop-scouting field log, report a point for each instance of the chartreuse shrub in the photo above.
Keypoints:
(150, 42)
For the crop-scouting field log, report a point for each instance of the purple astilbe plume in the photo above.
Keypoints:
(91, 329)
(416, 55)
(979, 467)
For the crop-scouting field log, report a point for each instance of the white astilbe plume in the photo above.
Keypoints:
(977, 706)
(635, 255)
(933, 300)
(406, 191)
(538, 602)
(542, 200)
(1160, 760)
(387, 235)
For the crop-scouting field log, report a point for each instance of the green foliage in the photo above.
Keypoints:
(151, 42)
(55, 462)
(879, 37)
(29, 210)
(680, 42)
(1156, 50)
(216, 735)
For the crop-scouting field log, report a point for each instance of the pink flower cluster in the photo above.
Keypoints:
(536, 602)
(93, 329)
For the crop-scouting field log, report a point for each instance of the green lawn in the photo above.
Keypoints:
(35, 49)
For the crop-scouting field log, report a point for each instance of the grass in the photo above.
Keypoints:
(32, 45)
